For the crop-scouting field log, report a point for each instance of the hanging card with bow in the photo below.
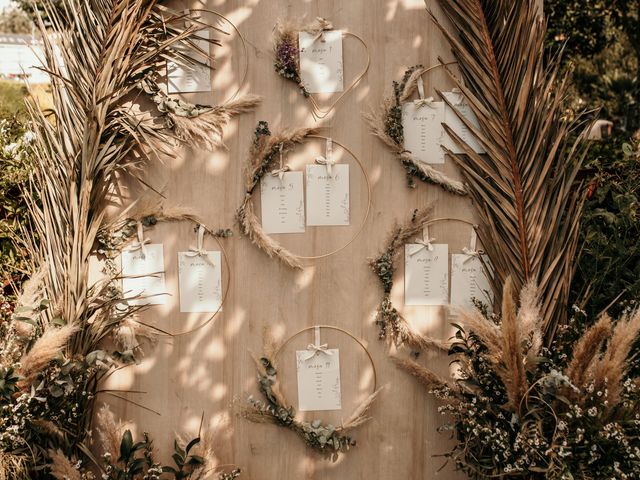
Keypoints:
(454, 122)
(318, 378)
(469, 280)
(426, 274)
(423, 132)
(327, 194)
(143, 275)
(199, 275)
(321, 68)
(191, 77)
(282, 200)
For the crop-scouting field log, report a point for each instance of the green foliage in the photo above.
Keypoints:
(15, 164)
(609, 263)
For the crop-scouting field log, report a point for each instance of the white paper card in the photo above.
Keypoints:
(192, 77)
(452, 119)
(423, 132)
(318, 380)
(200, 282)
(143, 275)
(468, 281)
(282, 203)
(426, 275)
(321, 67)
(327, 195)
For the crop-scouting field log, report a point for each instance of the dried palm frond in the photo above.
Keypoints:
(43, 352)
(524, 187)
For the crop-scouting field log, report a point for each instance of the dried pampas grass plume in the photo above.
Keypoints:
(109, 431)
(61, 468)
(46, 349)
(588, 349)
(359, 416)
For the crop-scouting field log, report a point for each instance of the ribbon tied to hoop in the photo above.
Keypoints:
(141, 242)
(422, 101)
(279, 172)
(472, 251)
(199, 250)
(322, 26)
(313, 350)
(327, 160)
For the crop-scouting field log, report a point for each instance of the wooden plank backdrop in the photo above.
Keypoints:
(209, 369)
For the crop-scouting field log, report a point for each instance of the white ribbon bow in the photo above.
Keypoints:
(328, 160)
(140, 244)
(323, 25)
(280, 172)
(199, 250)
(422, 102)
(313, 350)
(423, 244)
(471, 251)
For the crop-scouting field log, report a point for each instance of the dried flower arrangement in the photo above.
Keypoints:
(323, 437)
(52, 354)
(393, 326)
(386, 124)
(521, 410)
(286, 51)
(263, 158)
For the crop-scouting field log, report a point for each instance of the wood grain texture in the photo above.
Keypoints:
(206, 371)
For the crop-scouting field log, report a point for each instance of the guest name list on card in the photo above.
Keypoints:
(426, 275)
(143, 275)
(327, 195)
(468, 281)
(200, 281)
(191, 77)
(282, 203)
(319, 380)
(423, 132)
(321, 67)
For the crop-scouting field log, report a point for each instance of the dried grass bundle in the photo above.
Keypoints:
(206, 129)
(13, 467)
(423, 375)
(587, 349)
(359, 416)
(263, 157)
(44, 351)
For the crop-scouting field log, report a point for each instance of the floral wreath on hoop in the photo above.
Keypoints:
(321, 436)
(287, 58)
(193, 123)
(393, 326)
(265, 153)
(386, 124)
